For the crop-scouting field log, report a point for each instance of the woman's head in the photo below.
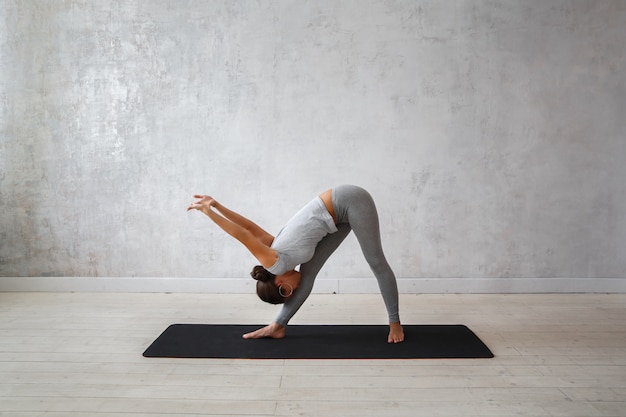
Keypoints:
(274, 289)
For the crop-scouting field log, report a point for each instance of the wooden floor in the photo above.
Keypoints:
(79, 354)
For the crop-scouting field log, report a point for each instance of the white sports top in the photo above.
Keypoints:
(296, 242)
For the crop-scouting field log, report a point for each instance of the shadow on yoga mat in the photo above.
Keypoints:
(318, 342)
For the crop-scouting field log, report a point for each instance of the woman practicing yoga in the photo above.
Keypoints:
(308, 240)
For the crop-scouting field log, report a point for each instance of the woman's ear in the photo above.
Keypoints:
(284, 278)
(291, 278)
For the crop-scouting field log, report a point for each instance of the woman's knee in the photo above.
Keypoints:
(378, 264)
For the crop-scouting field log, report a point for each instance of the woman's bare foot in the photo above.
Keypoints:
(396, 333)
(272, 330)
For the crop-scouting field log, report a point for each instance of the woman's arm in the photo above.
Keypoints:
(247, 224)
(264, 254)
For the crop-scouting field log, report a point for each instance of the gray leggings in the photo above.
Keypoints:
(355, 210)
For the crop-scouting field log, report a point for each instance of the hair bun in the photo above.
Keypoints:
(261, 274)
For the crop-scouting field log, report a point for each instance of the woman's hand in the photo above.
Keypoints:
(204, 202)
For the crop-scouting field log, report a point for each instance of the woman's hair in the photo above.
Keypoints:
(266, 287)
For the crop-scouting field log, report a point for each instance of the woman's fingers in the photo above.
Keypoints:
(203, 201)
(204, 198)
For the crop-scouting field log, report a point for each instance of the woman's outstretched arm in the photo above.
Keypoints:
(257, 247)
(247, 224)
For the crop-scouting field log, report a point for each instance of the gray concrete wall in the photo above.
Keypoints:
(491, 134)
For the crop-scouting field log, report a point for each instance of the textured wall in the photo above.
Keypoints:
(491, 134)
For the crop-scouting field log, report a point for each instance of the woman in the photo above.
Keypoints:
(308, 240)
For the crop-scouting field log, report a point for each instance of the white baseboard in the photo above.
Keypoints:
(322, 286)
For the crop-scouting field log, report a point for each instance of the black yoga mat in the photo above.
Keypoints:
(318, 342)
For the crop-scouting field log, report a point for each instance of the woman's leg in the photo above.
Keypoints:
(355, 206)
(309, 271)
